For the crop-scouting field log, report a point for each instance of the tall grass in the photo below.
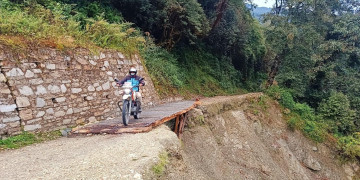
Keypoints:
(190, 72)
(27, 138)
(38, 24)
(206, 73)
(163, 69)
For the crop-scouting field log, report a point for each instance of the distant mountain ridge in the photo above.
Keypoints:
(258, 11)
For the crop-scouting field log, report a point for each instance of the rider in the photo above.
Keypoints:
(135, 80)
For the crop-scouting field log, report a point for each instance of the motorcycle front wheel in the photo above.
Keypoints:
(120, 105)
(125, 112)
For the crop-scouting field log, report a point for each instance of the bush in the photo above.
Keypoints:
(287, 100)
(114, 36)
(58, 27)
(336, 110)
(305, 111)
(315, 130)
(295, 122)
(163, 69)
(282, 95)
(274, 92)
(302, 117)
(350, 145)
(206, 73)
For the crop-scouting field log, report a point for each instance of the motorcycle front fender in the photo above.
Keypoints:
(126, 97)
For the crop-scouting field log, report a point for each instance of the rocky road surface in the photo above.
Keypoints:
(125, 156)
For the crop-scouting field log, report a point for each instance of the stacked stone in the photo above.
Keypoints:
(55, 89)
(9, 119)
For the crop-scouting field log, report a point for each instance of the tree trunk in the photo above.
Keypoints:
(220, 9)
(273, 72)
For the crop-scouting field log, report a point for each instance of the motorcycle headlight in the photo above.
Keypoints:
(127, 91)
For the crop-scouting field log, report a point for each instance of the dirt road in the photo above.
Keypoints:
(125, 156)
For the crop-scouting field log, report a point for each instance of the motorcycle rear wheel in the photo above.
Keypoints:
(137, 116)
(125, 112)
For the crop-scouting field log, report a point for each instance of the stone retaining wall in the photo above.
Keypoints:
(9, 118)
(47, 89)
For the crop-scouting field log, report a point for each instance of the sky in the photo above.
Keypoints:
(264, 3)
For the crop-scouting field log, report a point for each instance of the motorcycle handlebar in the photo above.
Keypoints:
(116, 80)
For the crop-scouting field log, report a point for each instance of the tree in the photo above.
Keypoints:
(336, 109)
(168, 21)
(235, 34)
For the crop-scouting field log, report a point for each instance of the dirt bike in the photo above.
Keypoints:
(130, 104)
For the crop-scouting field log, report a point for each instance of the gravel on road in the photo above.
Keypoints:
(125, 156)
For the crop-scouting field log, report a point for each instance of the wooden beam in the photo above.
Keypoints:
(182, 125)
(176, 130)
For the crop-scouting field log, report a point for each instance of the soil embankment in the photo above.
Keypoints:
(246, 137)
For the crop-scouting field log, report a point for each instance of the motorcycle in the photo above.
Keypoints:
(130, 105)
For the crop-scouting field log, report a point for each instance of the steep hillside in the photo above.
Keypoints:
(246, 137)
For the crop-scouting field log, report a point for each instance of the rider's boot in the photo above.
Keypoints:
(139, 104)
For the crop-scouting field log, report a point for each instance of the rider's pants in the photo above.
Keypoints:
(138, 96)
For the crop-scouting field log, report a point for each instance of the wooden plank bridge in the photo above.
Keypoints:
(149, 119)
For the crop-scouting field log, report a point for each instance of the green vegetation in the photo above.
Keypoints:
(164, 70)
(332, 119)
(206, 51)
(56, 26)
(314, 57)
(350, 145)
(336, 110)
(207, 74)
(178, 48)
(262, 102)
(26, 138)
(18, 141)
(300, 116)
(159, 168)
(311, 49)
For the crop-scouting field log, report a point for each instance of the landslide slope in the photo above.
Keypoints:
(246, 137)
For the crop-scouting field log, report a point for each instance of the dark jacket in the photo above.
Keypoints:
(135, 80)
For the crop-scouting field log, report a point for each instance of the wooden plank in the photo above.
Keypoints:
(139, 128)
(166, 119)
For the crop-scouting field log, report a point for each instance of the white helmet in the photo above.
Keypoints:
(132, 71)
